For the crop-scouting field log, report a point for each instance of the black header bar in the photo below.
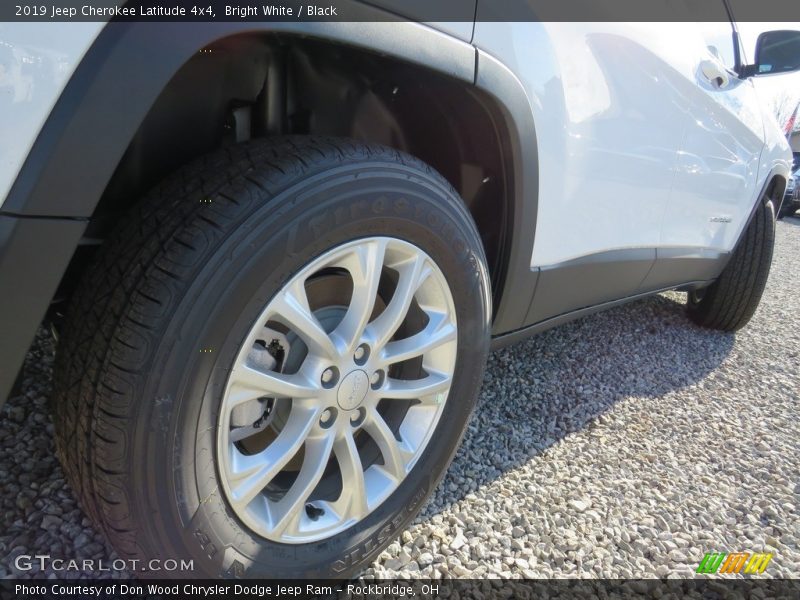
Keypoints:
(256, 11)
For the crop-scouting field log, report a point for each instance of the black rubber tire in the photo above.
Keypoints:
(730, 302)
(137, 390)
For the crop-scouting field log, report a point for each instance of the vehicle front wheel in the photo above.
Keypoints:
(268, 369)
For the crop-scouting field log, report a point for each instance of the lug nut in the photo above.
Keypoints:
(361, 354)
(327, 418)
(377, 378)
(357, 418)
(329, 376)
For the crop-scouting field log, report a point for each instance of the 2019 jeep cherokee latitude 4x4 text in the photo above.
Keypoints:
(276, 255)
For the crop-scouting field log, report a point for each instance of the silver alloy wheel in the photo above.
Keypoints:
(319, 423)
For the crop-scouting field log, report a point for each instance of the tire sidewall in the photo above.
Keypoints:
(263, 252)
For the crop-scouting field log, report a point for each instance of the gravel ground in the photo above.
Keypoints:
(626, 444)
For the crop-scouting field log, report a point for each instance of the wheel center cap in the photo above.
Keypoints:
(352, 390)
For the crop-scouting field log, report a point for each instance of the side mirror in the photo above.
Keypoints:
(776, 52)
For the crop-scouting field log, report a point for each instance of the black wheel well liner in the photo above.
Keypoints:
(286, 84)
(90, 161)
(775, 190)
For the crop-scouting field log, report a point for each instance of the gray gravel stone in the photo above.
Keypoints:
(626, 444)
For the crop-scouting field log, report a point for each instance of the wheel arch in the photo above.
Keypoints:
(775, 190)
(90, 156)
(128, 66)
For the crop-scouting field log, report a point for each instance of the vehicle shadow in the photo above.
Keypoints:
(534, 394)
(537, 392)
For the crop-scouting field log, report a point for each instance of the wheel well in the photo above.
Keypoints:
(256, 85)
(776, 190)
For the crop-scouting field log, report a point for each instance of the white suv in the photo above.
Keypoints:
(276, 254)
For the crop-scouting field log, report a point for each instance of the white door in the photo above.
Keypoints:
(609, 105)
(716, 177)
(608, 102)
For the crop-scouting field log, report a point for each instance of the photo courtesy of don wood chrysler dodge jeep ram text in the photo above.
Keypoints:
(277, 255)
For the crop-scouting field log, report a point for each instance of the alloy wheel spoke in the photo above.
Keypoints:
(291, 308)
(413, 273)
(352, 475)
(242, 433)
(395, 458)
(252, 473)
(438, 331)
(416, 389)
(287, 509)
(365, 265)
(248, 384)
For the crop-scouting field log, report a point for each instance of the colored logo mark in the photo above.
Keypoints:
(734, 562)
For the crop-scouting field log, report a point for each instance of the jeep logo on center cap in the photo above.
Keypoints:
(352, 390)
